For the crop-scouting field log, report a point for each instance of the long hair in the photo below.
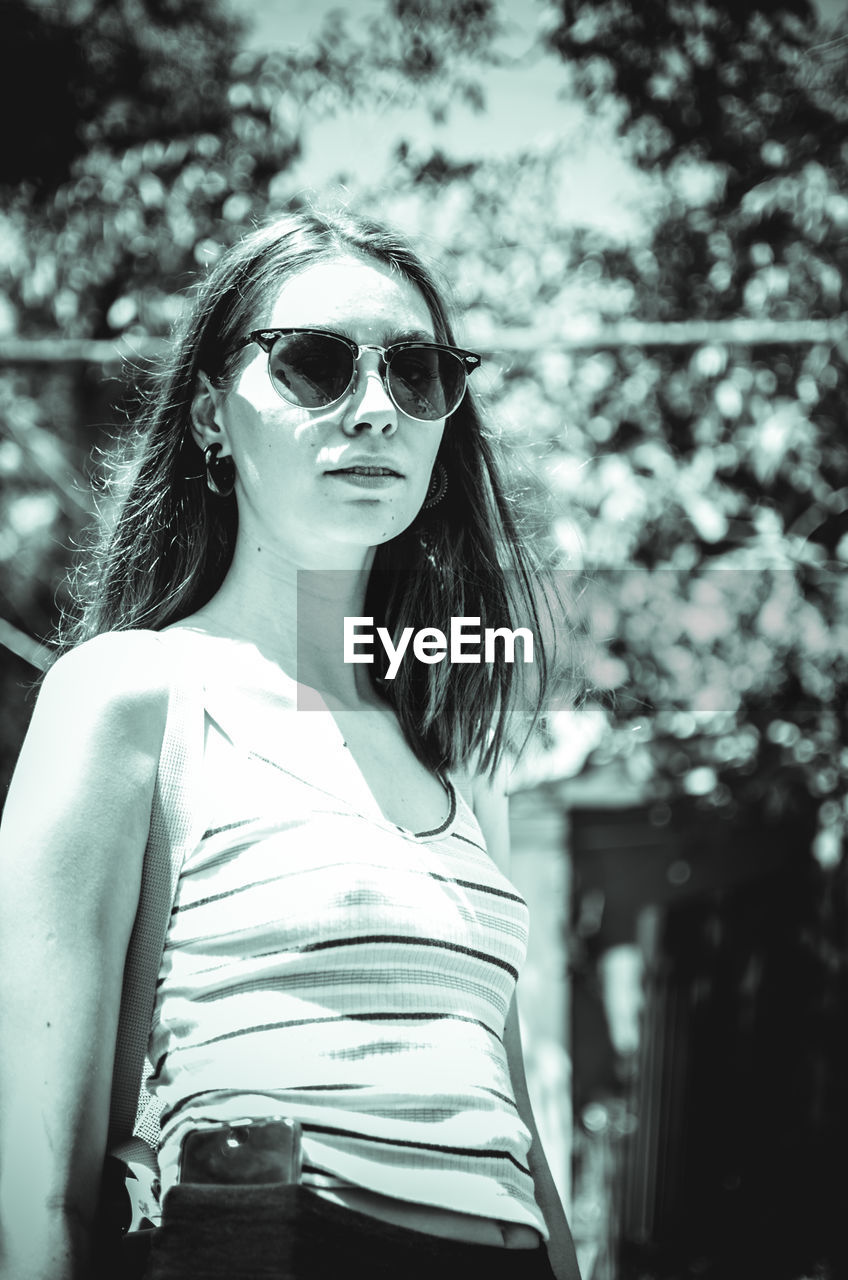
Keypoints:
(169, 543)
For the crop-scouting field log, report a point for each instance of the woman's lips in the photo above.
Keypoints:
(367, 477)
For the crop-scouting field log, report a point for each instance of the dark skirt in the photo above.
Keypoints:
(290, 1233)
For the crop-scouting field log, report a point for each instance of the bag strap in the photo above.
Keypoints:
(170, 839)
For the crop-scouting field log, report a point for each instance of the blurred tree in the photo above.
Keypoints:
(94, 72)
(724, 458)
(172, 139)
(728, 82)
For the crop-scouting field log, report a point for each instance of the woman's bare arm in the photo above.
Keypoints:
(491, 809)
(71, 849)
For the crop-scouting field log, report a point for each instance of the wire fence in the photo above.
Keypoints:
(740, 331)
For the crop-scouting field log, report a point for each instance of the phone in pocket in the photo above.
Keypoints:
(245, 1152)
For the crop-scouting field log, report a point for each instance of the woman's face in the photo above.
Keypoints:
(295, 488)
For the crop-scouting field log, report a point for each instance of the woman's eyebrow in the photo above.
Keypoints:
(408, 335)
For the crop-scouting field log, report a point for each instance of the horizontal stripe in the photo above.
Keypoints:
(327, 1089)
(467, 1153)
(299, 982)
(316, 985)
(322, 868)
(399, 1018)
(480, 888)
(395, 939)
(474, 844)
(228, 826)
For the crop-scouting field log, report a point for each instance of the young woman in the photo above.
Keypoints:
(343, 946)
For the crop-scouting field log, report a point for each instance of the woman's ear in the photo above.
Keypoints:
(207, 416)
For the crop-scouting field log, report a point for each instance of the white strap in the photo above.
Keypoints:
(171, 835)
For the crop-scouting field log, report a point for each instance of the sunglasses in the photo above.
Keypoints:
(314, 369)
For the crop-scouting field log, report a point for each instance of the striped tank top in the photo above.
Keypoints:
(328, 965)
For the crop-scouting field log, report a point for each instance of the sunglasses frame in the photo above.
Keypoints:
(267, 337)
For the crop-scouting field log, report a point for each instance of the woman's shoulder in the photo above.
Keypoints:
(117, 674)
(94, 741)
(131, 658)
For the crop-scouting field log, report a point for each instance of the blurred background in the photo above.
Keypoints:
(642, 210)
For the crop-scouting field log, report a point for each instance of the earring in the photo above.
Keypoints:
(438, 486)
(220, 472)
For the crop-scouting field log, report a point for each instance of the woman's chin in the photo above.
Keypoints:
(373, 532)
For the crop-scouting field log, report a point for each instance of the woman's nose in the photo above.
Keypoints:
(370, 407)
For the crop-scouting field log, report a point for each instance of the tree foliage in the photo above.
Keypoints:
(721, 469)
(88, 75)
(730, 83)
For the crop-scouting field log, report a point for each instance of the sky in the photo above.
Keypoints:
(524, 101)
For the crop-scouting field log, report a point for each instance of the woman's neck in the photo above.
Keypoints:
(295, 615)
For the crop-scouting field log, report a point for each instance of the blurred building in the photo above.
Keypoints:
(685, 993)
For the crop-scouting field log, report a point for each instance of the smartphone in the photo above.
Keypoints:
(250, 1151)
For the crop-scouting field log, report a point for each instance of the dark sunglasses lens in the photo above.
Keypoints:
(427, 384)
(310, 369)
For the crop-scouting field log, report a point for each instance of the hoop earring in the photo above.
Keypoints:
(220, 472)
(437, 488)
